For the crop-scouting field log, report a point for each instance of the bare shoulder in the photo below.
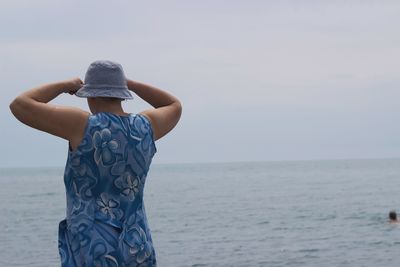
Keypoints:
(79, 119)
(146, 114)
(148, 117)
(163, 119)
(77, 114)
(73, 117)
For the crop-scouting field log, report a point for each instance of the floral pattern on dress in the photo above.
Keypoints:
(104, 177)
(134, 243)
(129, 184)
(105, 147)
(109, 206)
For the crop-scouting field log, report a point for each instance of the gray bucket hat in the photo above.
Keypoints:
(105, 78)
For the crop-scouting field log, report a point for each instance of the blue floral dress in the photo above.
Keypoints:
(104, 178)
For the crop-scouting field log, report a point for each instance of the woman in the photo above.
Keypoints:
(109, 156)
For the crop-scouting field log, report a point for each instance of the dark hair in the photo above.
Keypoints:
(393, 215)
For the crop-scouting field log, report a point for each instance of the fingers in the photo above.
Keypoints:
(77, 84)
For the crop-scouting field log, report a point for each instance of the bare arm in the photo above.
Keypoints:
(167, 108)
(32, 108)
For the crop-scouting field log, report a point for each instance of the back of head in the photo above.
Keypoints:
(393, 215)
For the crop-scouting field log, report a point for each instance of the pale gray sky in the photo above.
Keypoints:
(259, 80)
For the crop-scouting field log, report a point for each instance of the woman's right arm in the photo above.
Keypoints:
(167, 108)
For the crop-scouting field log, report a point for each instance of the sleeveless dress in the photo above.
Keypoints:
(104, 178)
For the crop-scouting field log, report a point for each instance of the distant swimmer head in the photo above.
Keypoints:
(393, 216)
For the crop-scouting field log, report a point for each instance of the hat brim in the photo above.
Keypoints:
(116, 92)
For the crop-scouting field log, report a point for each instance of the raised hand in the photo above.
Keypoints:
(73, 85)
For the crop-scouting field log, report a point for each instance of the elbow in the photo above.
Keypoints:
(178, 106)
(16, 106)
(13, 105)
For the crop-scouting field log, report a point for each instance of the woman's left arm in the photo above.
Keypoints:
(32, 109)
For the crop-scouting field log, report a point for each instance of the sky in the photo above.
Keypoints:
(258, 80)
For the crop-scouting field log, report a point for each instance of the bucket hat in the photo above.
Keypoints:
(105, 78)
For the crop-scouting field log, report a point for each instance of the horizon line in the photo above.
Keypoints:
(223, 162)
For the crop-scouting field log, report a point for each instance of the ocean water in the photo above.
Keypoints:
(304, 213)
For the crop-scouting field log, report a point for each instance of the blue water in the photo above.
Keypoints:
(309, 213)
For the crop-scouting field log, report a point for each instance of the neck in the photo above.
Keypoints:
(106, 105)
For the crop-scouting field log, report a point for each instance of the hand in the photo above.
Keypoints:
(73, 85)
(130, 84)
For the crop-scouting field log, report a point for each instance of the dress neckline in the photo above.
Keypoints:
(122, 116)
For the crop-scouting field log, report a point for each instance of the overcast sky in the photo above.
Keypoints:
(258, 80)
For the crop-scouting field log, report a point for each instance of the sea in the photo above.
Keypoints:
(288, 213)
